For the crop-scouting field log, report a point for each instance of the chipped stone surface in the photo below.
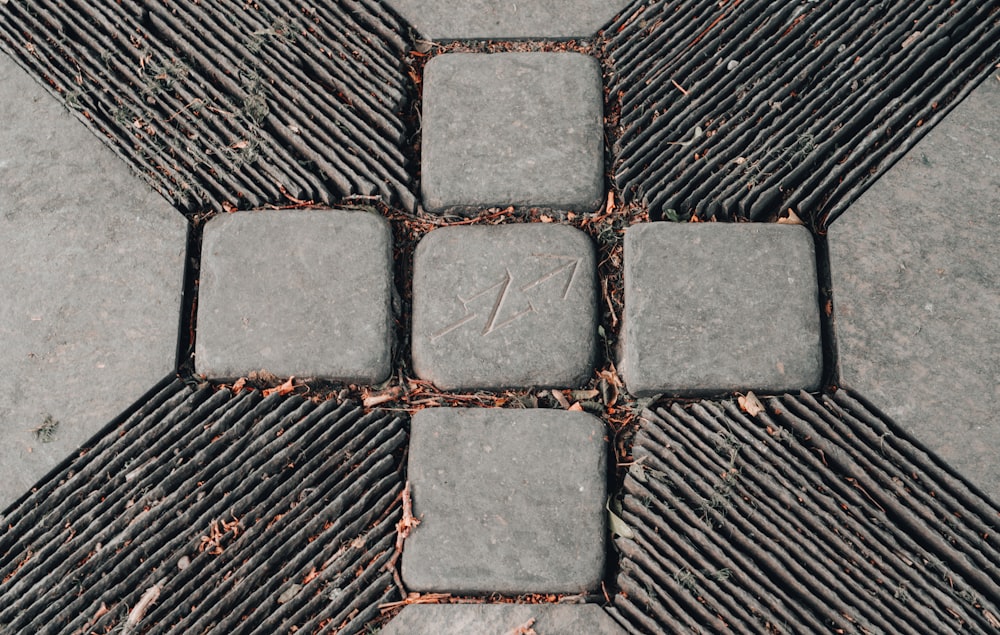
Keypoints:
(509, 501)
(507, 19)
(523, 129)
(714, 308)
(915, 286)
(502, 619)
(504, 306)
(304, 292)
(91, 277)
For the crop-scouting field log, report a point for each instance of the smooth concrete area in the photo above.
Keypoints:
(916, 289)
(91, 273)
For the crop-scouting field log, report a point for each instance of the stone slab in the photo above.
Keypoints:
(916, 289)
(502, 619)
(507, 19)
(296, 292)
(91, 279)
(509, 501)
(714, 308)
(504, 306)
(522, 129)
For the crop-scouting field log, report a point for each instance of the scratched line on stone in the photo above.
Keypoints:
(495, 318)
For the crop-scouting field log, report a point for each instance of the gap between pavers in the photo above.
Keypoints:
(91, 279)
(712, 308)
(296, 292)
(509, 501)
(508, 306)
(522, 129)
(502, 619)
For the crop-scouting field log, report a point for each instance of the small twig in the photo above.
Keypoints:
(377, 399)
(138, 612)
(415, 598)
(679, 87)
(469, 221)
(403, 529)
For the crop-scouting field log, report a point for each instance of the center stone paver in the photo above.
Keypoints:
(502, 619)
(305, 292)
(509, 501)
(713, 308)
(504, 307)
(523, 129)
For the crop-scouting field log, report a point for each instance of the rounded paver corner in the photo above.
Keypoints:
(509, 306)
(304, 292)
(509, 501)
(522, 129)
(712, 308)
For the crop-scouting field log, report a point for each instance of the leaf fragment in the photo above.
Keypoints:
(750, 404)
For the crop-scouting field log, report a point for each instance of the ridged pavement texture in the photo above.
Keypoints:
(237, 513)
(221, 105)
(744, 109)
(815, 516)
(208, 511)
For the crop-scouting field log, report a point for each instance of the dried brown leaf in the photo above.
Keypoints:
(750, 404)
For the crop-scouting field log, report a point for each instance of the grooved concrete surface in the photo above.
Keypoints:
(296, 292)
(91, 273)
(714, 308)
(916, 286)
(509, 501)
(523, 129)
(507, 19)
(504, 307)
(502, 619)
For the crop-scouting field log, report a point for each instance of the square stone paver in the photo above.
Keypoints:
(502, 619)
(509, 501)
(305, 293)
(713, 308)
(521, 129)
(504, 306)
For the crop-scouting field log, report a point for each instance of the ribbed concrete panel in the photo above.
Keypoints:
(217, 512)
(746, 109)
(816, 515)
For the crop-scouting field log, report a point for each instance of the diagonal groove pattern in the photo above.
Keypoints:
(730, 110)
(295, 102)
(817, 515)
(244, 513)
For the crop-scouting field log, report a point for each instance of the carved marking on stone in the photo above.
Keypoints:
(498, 315)
(572, 265)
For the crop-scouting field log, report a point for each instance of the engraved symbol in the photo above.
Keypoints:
(500, 313)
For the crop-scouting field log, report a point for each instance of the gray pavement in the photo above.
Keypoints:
(90, 282)
(523, 129)
(713, 308)
(509, 501)
(507, 19)
(916, 284)
(296, 292)
(510, 306)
